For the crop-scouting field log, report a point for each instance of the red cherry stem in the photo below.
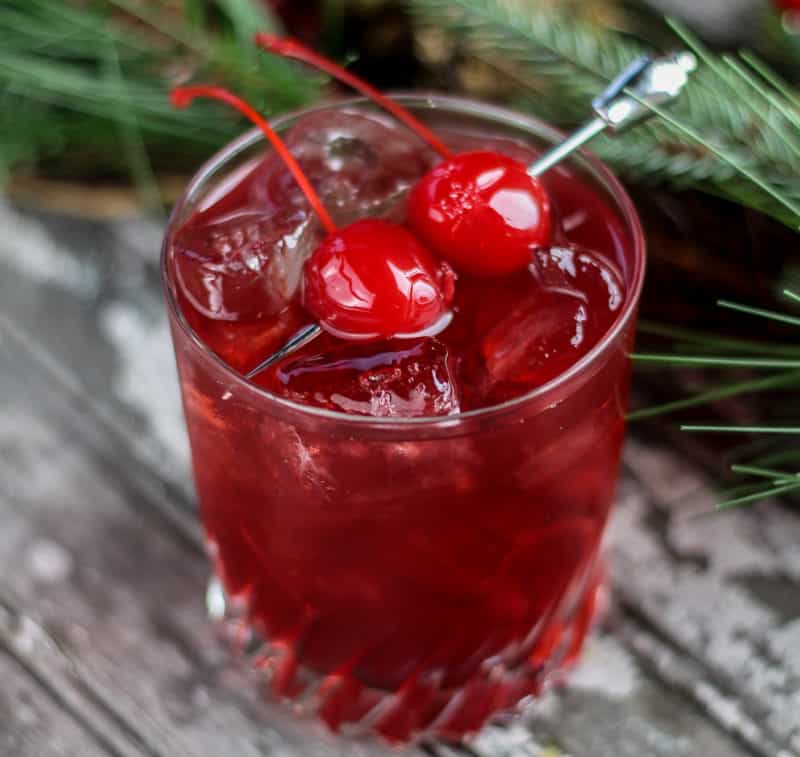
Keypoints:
(182, 97)
(290, 48)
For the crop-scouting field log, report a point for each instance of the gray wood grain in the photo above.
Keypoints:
(95, 508)
(32, 724)
(724, 590)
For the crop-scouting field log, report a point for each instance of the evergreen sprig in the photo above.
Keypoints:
(783, 359)
(86, 82)
(735, 131)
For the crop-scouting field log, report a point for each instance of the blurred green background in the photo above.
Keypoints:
(83, 82)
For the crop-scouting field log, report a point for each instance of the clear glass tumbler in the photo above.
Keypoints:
(409, 576)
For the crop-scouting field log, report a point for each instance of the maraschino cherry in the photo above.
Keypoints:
(372, 279)
(481, 211)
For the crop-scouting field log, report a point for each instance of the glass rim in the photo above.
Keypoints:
(460, 106)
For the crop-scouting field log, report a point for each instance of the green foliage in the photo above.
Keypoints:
(87, 82)
(748, 355)
(735, 132)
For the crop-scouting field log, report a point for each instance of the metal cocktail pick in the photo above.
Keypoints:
(629, 99)
(300, 339)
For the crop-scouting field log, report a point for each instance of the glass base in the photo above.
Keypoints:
(422, 707)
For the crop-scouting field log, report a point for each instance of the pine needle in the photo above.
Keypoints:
(770, 314)
(759, 66)
(712, 341)
(779, 103)
(760, 495)
(780, 481)
(707, 360)
(791, 378)
(133, 143)
(754, 470)
(745, 429)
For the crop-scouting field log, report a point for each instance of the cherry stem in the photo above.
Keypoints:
(290, 48)
(182, 97)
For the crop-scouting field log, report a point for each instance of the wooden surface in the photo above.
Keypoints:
(104, 644)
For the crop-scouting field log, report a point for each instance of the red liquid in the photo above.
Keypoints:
(427, 578)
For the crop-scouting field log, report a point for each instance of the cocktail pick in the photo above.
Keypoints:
(300, 339)
(629, 99)
(646, 83)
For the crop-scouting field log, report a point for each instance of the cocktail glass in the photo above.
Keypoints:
(409, 576)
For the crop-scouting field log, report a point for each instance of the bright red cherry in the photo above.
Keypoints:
(367, 280)
(484, 210)
(374, 279)
(480, 211)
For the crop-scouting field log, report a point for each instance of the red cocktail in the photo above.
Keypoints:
(410, 526)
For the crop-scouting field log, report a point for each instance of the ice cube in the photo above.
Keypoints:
(408, 378)
(539, 338)
(246, 265)
(575, 298)
(575, 269)
(361, 165)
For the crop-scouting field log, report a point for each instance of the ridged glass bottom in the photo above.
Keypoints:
(421, 706)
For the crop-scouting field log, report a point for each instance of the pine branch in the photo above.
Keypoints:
(735, 131)
(85, 84)
(782, 482)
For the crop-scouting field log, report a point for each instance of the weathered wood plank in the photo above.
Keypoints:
(36, 652)
(33, 725)
(80, 288)
(723, 590)
(612, 706)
